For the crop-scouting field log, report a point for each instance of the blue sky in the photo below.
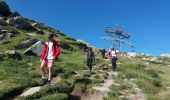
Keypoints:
(147, 20)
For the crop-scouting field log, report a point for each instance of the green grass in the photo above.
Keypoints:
(19, 75)
(149, 81)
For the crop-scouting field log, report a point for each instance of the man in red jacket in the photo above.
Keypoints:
(50, 53)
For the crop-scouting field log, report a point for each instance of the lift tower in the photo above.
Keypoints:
(118, 37)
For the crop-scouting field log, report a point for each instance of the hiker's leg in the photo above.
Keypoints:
(91, 64)
(50, 67)
(113, 64)
(88, 63)
(43, 64)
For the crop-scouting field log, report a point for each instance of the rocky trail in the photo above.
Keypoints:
(33, 90)
(100, 91)
(96, 92)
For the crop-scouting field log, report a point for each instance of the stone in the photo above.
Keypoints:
(4, 8)
(165, 55)
(2, 22)
(132, 54)
(32, 34)
(8, 36)
(21, 23)
(2, 36)
(15, 14)
(38, 30)
(35, 49)
(30, 64)
(34, 24)
(4, 31)
(31, 91)
(13, 54)
(26, 44)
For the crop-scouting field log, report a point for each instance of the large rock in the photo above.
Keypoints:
(8, 36)
(38, 30)
(20, 23)
(14, 14)
(35, 49)
(26, 44)
(5, 35)
(165, 55)
(4, 8)
(2, 36)
(2, 22)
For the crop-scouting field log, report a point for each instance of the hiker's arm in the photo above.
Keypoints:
(43, 52)
(57, 52)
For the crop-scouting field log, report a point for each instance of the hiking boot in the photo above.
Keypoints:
(43, 81)
(49, 82)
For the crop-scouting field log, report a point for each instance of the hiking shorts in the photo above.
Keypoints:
(47, 63)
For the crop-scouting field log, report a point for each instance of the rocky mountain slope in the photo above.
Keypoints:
(139, 76)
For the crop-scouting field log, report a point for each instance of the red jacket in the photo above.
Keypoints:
(55, 50)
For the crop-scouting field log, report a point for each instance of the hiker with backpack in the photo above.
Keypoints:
(113, 56)
(50, 54)
(90, 57)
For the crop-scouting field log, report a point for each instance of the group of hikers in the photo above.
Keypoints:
(51, 53)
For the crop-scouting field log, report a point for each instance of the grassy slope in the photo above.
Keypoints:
(151, 78)
(17, 76)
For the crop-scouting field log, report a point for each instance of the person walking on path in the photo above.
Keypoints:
(113, 55)
(90, 57)
(103, 52)
(50, 53)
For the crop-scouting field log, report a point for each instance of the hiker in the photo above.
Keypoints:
(113, 56)
(49, 55)
(90, 57)
(103, 51)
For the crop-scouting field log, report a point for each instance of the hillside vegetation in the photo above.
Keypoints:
(135, 79)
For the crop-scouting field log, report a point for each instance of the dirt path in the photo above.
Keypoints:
(97, 93)
(33, 90)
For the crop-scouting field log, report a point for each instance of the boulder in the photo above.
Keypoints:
(4, 9)
(2, 22)
(2, 36)
(5, 35)
(15, 14)
(34, 24)
(21, 23)
(165, 55)
(26, 44)
(38, 30)
(35, 49)
(8, 36)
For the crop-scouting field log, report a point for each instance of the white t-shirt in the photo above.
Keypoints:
(50, 52)
(113, 53)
